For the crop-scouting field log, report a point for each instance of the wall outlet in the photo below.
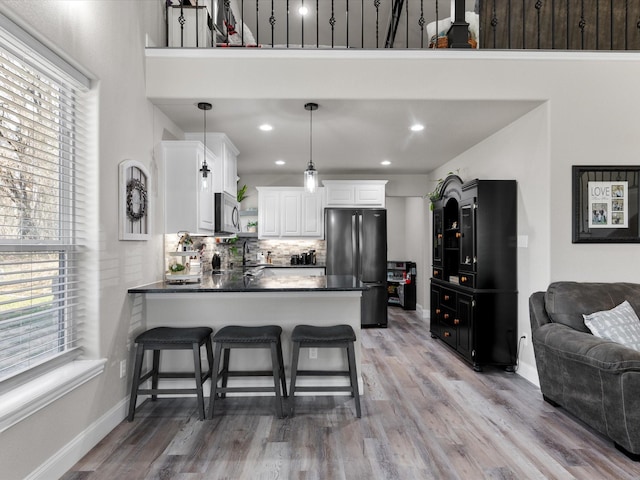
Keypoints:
(123, 368)
(313, 353)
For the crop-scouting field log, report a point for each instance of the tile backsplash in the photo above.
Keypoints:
(231, 253)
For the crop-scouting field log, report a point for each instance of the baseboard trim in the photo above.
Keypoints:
(72, 452)
(529, 373)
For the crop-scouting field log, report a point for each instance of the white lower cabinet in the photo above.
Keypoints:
(290, 212)
(188, 207)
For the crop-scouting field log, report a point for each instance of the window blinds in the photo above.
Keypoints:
(42, 193)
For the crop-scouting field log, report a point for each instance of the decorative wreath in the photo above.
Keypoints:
(139, 187)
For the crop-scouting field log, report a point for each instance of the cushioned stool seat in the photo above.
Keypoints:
(334, 336)
(170, 338)
(233, 336)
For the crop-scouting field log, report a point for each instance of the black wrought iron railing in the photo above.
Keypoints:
(417, 24)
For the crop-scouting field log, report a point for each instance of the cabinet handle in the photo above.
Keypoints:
(446, 315)
(456, 321)
(447, 334)
(446, 298)
(437, 311)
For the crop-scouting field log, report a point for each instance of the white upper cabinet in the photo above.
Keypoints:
(225, 170)
(313, 214)
(187, 206)
(355, 193)
(290, 212)
(268, 213)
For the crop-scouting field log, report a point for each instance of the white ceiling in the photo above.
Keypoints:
(349, 137)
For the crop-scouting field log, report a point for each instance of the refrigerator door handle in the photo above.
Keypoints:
(360, 237)
(354, 245)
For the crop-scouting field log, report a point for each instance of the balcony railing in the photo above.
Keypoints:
(371, 24)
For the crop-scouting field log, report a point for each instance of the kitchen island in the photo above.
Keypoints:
(253, 298)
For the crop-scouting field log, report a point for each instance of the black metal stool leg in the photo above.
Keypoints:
(137, 372)
(294, 374)
(353, 375)
(198, 377)
(276, 366)
(225, 369)
(214, 377)
(154, 375)
(209, 347)
(283, 379)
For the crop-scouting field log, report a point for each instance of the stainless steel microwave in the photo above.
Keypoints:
(227, 214)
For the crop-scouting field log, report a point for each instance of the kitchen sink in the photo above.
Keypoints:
(293, 271)
(270, 271)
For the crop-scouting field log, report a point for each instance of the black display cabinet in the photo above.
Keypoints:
(474, 294)
(401, 284)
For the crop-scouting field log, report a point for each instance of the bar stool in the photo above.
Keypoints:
(335, 336)
(170, 338)
(248, 337)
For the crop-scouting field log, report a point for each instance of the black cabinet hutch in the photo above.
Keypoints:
(474, 293)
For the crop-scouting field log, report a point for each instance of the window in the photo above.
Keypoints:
(42, 219)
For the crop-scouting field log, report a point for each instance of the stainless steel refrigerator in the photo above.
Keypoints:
(357, 245)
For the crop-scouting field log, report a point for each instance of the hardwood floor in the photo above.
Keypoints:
(425, 415)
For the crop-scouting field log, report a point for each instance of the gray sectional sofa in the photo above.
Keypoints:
(596, 380)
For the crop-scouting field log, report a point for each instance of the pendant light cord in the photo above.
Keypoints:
(311, 137)
(204, 134)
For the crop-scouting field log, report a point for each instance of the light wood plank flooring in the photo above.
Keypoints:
(425, 415)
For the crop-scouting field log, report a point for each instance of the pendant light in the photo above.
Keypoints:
(204, 106)
(311, 174)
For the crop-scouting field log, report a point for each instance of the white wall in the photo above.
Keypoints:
(417, 247)
(396, 228)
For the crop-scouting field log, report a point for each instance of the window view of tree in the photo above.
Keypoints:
(37, 221)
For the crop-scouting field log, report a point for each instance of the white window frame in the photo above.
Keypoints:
(33, 388)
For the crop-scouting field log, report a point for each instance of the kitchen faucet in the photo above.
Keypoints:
(245, 250)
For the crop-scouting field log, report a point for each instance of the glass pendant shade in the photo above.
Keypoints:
(204, 183)
(310, 178)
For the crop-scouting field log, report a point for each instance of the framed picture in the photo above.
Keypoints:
(605, 204)
(133, 197)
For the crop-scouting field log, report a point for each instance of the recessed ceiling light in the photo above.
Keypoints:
(385, 162)
(417, 127)
(265, 127)
(280, 162)
(303, 10)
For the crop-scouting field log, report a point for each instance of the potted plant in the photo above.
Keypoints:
(252, 226)
(242, 193)
(435, 194)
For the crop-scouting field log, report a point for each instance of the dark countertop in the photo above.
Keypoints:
(237, 281)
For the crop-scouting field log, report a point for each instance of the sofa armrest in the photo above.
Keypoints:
(588, 349)
(537, 313)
